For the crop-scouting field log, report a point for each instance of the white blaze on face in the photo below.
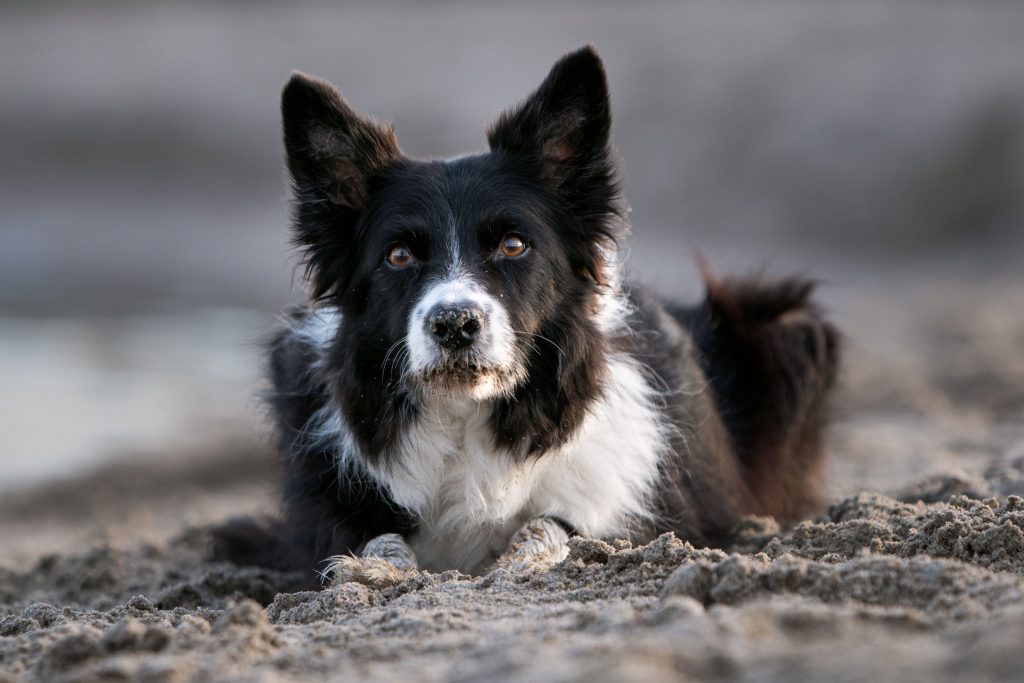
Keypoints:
(494, 350)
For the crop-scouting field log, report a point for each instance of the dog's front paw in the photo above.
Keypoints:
(369, 571)
(384, 561)
(538, 544)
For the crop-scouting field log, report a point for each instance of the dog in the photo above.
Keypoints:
(473, 380)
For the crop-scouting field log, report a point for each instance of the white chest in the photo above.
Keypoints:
(471, 497)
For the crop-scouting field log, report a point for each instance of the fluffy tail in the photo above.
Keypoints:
(771, 358)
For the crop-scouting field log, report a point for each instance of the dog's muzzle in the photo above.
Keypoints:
(460, 342)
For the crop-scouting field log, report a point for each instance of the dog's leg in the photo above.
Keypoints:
(538, 543)
(384, 561)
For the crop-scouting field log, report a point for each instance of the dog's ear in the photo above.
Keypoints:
(332, 149)
(333, 153)
(565, 124)
(562, 132)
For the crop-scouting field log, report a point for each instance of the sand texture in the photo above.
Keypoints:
(875, 589)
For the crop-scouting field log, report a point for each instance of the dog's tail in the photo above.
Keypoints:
(771, 358)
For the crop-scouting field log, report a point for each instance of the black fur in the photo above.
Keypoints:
(745, 373)
(771, 359)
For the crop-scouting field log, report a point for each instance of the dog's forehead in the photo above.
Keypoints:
(440, 193)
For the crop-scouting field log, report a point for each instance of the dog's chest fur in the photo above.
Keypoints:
(471, 497)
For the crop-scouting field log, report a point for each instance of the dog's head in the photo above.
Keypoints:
(452, 275)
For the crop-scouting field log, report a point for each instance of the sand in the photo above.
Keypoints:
(875, 589)
(915, 572)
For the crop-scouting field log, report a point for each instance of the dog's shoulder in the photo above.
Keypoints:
(295, 353)
(296, 347)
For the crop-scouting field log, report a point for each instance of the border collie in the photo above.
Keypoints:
(473, 381)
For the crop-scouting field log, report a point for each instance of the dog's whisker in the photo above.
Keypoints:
(542, 337)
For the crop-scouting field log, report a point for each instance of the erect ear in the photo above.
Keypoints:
(563, 132)
(565, 124)
(333, 153)
(332, 150)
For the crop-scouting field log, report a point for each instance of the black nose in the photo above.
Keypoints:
(454, 326)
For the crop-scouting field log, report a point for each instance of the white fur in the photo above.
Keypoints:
(612, 308)
(318, 327)
(471, 497)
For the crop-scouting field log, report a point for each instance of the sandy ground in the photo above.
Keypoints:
(915, 572)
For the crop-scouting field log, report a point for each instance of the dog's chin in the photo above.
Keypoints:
(464, 381)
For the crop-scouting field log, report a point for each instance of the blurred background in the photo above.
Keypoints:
(876, 146)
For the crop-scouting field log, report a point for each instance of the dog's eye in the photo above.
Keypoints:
(399, 256)
(512, 245)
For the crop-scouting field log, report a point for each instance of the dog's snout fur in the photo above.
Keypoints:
(459, 333)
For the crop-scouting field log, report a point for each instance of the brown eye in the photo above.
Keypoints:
(512, 245)
(399, 256)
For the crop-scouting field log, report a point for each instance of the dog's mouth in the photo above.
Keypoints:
(467, 377)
